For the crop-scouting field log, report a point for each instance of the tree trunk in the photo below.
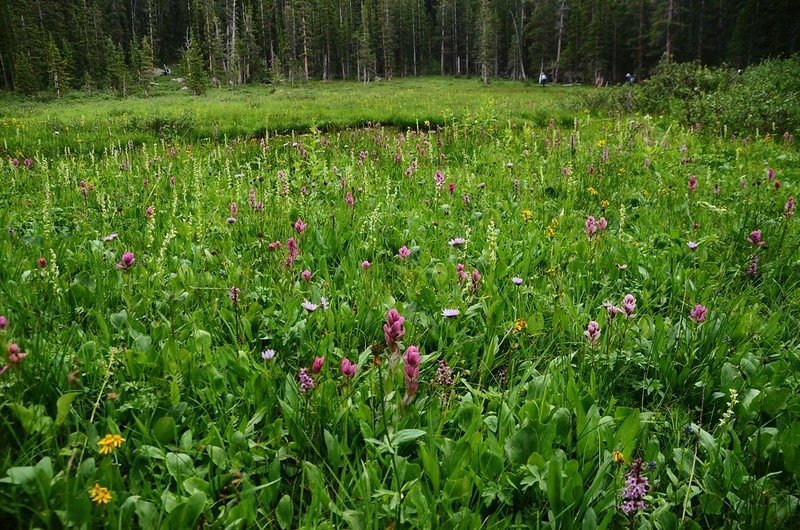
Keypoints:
(670, 6)
(561, 13)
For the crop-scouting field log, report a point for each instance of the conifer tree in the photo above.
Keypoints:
(196, 78)
(146, 66)
(25, 80)
(58, 76)
(117, 70)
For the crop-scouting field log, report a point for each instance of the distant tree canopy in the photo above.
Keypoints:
(54, 45)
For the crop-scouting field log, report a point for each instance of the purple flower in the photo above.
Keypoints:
(233, 294)
(692, 245)
(349, 199)
(755, 238)
(149, 212)
(462, 274)
(450, 313)
(692, 183)
(411, 362)
(393, 329)
(591, 226)
(323, 302)
(111, 237)
(516, 280)
(306, 275)
(3, 322)
(602, 224)
(636, 487)
(788, 208)
(127, 261)
(629, 305)
(698, 313)
(592, 332)
(612, 310)
(365, 264)
(438, 177)
(770, 174)
(347, 368)
(308, 306)
(292, 251)
(752, 269)
(275, 245)
(452, 187)
(234, 209)
(231, 220)
(316, 366)
(41, 262)
(305, 381)
(404, 252)
(476, 279)
(268, 355)
(299, 225)
(15, 354)
(444, 374)
(457, 242)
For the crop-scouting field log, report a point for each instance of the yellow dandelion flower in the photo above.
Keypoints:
(604, 204)
(601, 143)
(621, 171)
(592, 191)
(109, 442)
(99, 494)
(527, 215)
(520, 325)
(618, 458)
(551, 232)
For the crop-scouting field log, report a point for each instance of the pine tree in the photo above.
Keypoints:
(117, 69)
(146, 73)
(196, 78)
(58, 77)
(25, 80)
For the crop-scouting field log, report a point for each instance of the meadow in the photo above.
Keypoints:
(417, 304)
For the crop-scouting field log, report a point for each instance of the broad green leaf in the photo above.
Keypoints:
(284, 512)
(63, 405)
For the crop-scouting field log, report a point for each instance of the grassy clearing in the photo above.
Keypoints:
(595, 304)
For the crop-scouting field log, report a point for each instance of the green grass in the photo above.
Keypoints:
(168, 354)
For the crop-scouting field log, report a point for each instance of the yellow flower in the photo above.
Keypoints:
(109, 442)
(618, 458)
(527, 215)
(604, 204)
(592, 191)
(99, 494)
(520, 325)
(551, 232)
(601, 143)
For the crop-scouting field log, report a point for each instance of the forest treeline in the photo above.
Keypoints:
(55, 45)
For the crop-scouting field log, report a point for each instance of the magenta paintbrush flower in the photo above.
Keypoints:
(755, 238)
(365, 264)
(300, 226)
(127, 261)
(629, 305)
(590, 227)
(316, 366)
(347, 368)
(692, 184)
(592, 332)
(306, 275)
(788, 208)
(3, 322)
(698, 313)
(411, 361)
(393, 329)
(404, 252)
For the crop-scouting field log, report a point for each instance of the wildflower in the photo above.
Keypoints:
(305, 381)
(438, 177)
(452, 187)
(612, 310)
(716, 189)
(629, 305)
(476, 279)
(404, 252)
(347, 368)
(306, 275)
(618, 458)
(393, 330)
(149, 213)
(109, 442)
(41, 262)
(770, 174)
(636, 486)
(3, 322)
(268, 355)
(450, 313)
(323, 302)
(698, 313)
(788, 208)
(411, 362)
(275, 245)
(482, 185)
(127, 261)
(603, 204)
(233, 294)
(602, 224)
(234, 208)
(292, 251)
(299, 225)
(15, 354)
(457, 242)
(527, 215)
(752, 269)
(231, 220)
(462, 274)
(592, 191)
(466, 199)
(755, 238)
(692, 184)
(692, 245)
(99, 494)
(365, 264)
(444, 374)
(590, 227)
(308, 306)
(728, 415)
(592, 332)
(349, 200)
(516, 280)
(251, 198)
(316, 366)
(111, 237)
(520, 325)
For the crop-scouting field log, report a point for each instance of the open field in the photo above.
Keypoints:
(491, 319)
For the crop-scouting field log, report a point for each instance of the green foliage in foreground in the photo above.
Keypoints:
(166, 351)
